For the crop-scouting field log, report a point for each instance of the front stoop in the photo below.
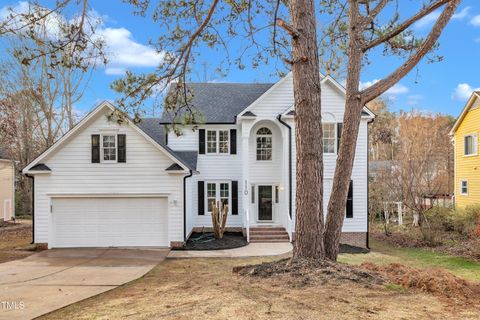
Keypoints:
(268, 234)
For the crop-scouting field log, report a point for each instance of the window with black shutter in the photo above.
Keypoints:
(339, 135)
(349, 206)
(122, 148)
(95, 148)
(234, 197)
(201, 141)
(201, 198)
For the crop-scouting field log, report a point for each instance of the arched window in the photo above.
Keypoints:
(264, 144)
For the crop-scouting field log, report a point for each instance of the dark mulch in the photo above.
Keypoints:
(346, 248)
(310, 271)
(206, 241)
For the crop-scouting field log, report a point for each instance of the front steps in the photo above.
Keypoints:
(268, 234)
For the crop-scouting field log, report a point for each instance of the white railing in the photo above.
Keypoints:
(247, 223)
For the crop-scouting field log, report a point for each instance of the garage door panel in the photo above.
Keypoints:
(105, 222)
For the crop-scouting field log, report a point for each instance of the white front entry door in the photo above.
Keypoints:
(109, 222)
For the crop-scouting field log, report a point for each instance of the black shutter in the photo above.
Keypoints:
(233, 141)
(122, 148)
(339, 135)
(235, 197)
(95, 148)
(201, 141)
(349, 207)
(201, 198)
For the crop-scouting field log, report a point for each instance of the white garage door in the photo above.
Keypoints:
(109, 222)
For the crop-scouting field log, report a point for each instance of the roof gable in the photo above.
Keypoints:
(471, 101)
(84, 124)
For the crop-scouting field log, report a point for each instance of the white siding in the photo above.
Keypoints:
(211, 167)
(73, 172)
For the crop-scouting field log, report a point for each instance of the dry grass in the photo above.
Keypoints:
(15, 240)
(208, 289)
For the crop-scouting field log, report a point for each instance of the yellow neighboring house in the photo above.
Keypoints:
(465, 134)
(7, 188)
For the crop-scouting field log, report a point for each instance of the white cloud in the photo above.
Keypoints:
(462, 14)
(397, 89)
(428, 20)
(463, 91)
(124, 52)
(115, 71)
(475, 21)
(414, 100)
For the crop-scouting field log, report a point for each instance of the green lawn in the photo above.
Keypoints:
(383, 253)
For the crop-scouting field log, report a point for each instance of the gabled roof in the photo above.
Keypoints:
(3, 154)
(221, 102)
(167, 151)
(475, 95)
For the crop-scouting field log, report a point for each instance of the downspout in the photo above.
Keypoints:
(185, 205)
(279, 117)
(33, 207)
(368, 185)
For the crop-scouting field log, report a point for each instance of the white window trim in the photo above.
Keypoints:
(335, 128)
(101, 147)
(475, 145)
(263, 135)
(217, 137)
(217, 195)
(461, 187)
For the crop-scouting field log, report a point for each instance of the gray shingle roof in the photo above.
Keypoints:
(222, 102)
(3, 154)
(156, 131)
(40, 167)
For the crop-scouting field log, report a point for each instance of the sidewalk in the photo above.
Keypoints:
(251, 250)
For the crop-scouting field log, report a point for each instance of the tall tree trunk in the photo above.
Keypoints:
(306, 84)
(348, 141)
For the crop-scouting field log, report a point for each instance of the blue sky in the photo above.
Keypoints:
(439, 87)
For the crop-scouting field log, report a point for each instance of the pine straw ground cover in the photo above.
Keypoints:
(15, 240)
(208, 289)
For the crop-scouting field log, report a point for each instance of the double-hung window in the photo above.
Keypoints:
(329, 138)
(109, 148)
(464, 187)
(218, 141)
(470, 144)
(218, 192)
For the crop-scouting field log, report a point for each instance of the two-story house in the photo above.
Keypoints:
(467, 161)
(109, 184)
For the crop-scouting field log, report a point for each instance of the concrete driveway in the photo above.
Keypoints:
(52, 279)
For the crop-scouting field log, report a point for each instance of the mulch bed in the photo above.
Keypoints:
(206, 241)
(301, 272)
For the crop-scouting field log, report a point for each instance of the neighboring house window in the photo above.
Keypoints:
(264, 144)
(217, 192)
(470, 145)
(464, 187)
(329, 137)
(218, 141)
(109, 148)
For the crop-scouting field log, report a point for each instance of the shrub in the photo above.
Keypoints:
(440, 218)
(465, 221)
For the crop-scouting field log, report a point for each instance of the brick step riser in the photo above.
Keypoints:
(269, 240)
(267, 232)
(267, 229)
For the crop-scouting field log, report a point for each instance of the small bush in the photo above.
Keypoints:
(440, 218)
(465, 220)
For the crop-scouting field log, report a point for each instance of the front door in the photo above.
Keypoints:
(265, 203)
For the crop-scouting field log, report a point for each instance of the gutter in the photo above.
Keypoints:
(185, 205)
(33, 206)
(279, 118)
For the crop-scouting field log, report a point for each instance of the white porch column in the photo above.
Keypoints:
(246, 126)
